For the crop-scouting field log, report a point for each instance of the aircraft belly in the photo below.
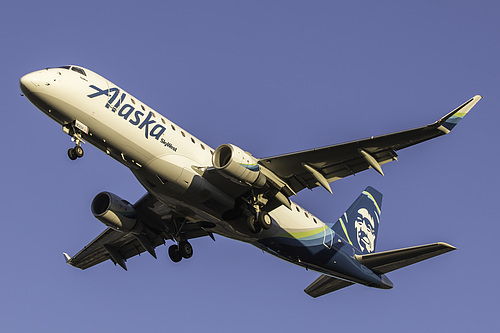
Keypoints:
(193, 202)
(196, 211)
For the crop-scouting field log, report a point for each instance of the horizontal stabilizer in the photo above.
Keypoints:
(388, 261)
(326, 284)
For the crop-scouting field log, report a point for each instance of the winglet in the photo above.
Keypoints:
(66, 257)
(448, 122)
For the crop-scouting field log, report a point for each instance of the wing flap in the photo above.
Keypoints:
(388, 261)
(326, 284)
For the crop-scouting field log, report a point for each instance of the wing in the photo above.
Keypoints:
(321, 166)
(113, 245)
(119, 246)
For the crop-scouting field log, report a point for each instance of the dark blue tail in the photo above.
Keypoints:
(359, 224)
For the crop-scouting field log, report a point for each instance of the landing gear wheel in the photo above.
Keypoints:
(174, 253)
(254, 227)
(74, 153)
(185, 250)
(265, 220)
(78, 150)
(71, 154)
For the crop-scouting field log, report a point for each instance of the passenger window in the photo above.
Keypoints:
(306, 215)
(78, 70)
(184, 135)
(297, 209)
(65, 67)
(143, 108)
(133, 101)
(173, 127)
(163, 120)
(192, 140)
(202, 146)
(315, 220)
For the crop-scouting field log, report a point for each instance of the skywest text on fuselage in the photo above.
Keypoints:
(128, 110)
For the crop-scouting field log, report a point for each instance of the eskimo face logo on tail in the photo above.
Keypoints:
(363, 218)
(365, 225)
(126, 111)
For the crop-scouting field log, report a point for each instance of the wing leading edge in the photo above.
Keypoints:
(300, 170)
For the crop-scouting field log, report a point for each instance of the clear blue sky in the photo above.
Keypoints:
(271, 77)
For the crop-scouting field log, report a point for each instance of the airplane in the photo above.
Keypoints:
(195, 191)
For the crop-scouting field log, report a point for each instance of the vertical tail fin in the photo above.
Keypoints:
(359, 224)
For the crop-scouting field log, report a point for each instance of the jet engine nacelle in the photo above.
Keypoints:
(116, 213)
(233, 163)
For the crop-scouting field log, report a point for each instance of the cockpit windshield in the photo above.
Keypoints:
(75, 69)
(78, 70)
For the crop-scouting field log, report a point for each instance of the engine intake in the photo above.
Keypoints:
(116, 213)
(239, 166)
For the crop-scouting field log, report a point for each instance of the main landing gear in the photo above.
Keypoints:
(183, 250)
(259, 222)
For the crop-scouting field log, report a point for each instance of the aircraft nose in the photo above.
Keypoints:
(35, 81)
(30, 82)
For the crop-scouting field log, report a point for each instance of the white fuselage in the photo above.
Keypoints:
(188, 181)
(166, 159)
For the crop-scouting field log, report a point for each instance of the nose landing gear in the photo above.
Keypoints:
(74, 130)
(74, 153)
